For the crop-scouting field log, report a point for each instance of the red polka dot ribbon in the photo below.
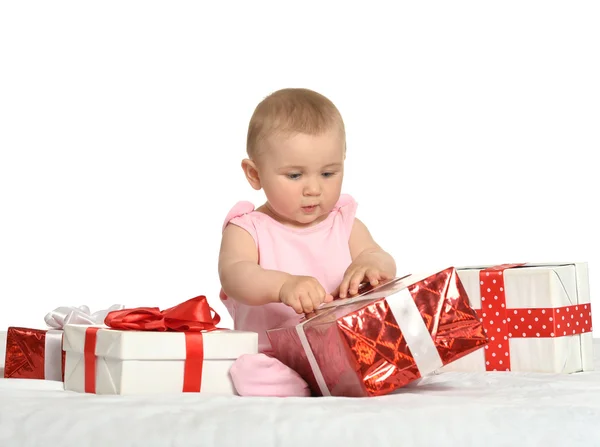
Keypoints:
(501, 323)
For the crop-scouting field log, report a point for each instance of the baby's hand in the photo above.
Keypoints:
(304, 294)
(360, 272)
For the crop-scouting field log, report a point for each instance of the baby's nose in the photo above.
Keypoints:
(312, 188)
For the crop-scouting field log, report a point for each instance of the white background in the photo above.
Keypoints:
(471, 132)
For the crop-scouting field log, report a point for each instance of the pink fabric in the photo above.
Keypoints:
(321, 251)
(261, 375)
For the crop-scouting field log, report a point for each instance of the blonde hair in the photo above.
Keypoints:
(292, 110)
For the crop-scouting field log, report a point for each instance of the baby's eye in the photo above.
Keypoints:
(294, 176)
(328, 174)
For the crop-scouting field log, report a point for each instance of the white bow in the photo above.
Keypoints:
(61, 316)
(56, 321)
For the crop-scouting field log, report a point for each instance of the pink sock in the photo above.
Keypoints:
(261, 375)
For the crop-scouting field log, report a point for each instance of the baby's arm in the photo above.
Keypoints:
(369, 261)
(241, 277)
(245, 281)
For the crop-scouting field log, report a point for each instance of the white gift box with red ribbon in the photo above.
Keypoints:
(102, 360)
(56, 321)
(537, 316)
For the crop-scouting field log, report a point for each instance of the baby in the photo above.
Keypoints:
(303, 246)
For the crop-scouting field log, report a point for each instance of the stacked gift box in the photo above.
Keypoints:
(37, 353)
(131, 351)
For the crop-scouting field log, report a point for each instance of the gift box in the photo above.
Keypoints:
(148, 351)
(37, 353)
(33, 354)
(383, 339)
(537, 316)
(2, 350)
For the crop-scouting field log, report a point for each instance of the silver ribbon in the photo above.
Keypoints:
(56, 320)
(417, 336)
(312, 360)
(53, 355)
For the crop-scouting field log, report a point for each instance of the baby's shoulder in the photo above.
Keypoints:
(243, 215)
(344, 202)
(345, 212)
(241, 211)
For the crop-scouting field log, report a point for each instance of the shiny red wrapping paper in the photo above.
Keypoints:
(25, 353)
(359, 347)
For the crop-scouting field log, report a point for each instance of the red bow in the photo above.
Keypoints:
(193, 315)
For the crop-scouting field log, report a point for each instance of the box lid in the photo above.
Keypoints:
(383, 290)
(151, 345)
(552, 284)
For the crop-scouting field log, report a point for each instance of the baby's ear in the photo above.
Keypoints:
(251, 173)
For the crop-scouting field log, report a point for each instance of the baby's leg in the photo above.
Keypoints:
(262, 375)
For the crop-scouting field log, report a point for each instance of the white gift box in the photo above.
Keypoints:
(147, 362)
(546, 324)
(2, 350)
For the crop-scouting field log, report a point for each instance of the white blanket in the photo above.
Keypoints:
(463, 409)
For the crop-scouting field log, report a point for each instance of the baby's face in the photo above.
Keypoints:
(302, 175)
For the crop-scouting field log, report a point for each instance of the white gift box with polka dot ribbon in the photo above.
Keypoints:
(537, 317)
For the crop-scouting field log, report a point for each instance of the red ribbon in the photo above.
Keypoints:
(89, 359)
(193, 317)
(502, 324)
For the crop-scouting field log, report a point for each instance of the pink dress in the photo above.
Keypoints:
(321, 251)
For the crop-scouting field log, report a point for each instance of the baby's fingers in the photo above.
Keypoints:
(355, 281)
(343, 288)
(307, 302)
(296, 304)
(373, 276)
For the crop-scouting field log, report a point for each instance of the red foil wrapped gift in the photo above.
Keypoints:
(381, 340)
(26, 354)
(37, 353)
